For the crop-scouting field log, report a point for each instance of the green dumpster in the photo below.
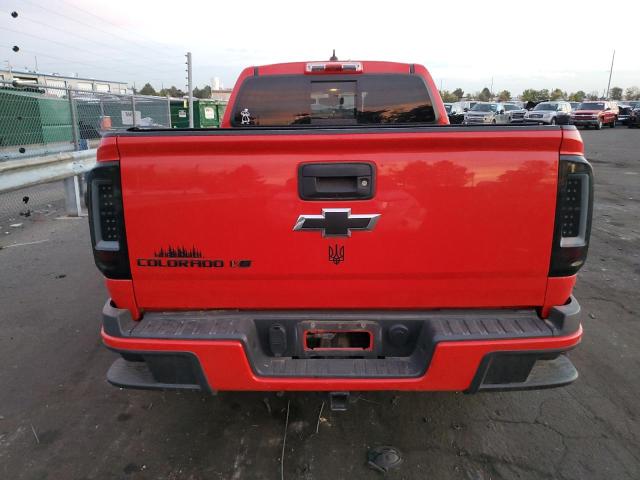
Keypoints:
(207, 113)
(179, 113)
(221, 107)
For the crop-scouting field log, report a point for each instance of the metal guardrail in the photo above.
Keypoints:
(67, 166)
(16, 174)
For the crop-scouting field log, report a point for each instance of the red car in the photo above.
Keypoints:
(337, 234)
(595, 114)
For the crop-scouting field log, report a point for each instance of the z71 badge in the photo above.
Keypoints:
(182, 257)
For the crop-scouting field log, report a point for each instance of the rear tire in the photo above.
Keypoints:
(613, 124)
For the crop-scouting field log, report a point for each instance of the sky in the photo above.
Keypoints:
(534, 44)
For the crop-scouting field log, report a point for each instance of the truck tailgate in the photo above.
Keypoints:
(466, 218)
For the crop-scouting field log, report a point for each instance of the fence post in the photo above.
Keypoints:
(133, 109)
(190, 87)
(72, 196)
(74, 120)
(72, 184)
(169, 112)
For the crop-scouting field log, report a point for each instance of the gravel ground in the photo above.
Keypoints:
(60, 420)
(45, 200)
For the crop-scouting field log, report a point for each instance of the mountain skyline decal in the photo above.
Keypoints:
(178, 252)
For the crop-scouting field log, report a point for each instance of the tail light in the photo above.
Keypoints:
(106, 220)
(574, 208)
(332, 67)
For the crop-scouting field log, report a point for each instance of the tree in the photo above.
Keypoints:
(616, 93)
(447, 96)
(632, 93)
(172, 92)
(459, 93)
(533, 95)
(529, 95)
(204, 92)
(578, 96)
(593, 95)
(484, 95)
(148, 90)
(504, 96)
(557, 94)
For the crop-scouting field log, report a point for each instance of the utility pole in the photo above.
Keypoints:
(610, 73)
(190, 89)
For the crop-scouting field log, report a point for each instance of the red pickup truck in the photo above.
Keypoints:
(595, 114)
(338, 235)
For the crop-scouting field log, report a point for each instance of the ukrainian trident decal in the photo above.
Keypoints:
(336, 254)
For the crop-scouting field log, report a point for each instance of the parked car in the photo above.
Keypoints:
(458, 109)
(549, 113)
(517, 103)
(595, 113)
(634, 117)
(624, 111)
(282, 252)
(515, 112)
(486, 113)
(467, 105)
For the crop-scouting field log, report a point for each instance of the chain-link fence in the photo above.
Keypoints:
(45, 120)
(39, 120)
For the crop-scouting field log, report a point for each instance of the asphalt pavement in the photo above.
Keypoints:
(60, 420)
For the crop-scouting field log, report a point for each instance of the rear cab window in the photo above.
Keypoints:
(285, 100)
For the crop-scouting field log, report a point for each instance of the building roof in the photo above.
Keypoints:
(55, 75)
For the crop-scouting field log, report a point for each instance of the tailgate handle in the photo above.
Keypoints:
(336, 181)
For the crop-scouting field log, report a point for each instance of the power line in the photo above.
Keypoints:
(84, 24)
(102, 19)
(75, 47)
(65, 32)
(93, 65)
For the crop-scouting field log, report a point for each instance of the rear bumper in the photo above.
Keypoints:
(449, 351)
